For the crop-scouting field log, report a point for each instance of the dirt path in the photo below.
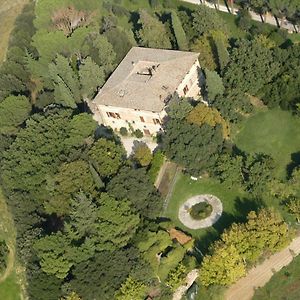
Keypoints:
(258, 276)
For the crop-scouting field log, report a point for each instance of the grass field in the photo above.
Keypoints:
(236, 205)
(284, 285)
(274, 132)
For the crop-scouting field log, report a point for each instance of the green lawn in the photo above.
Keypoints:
(9, 289)
(274, 132)
(236, 205)
(284, 285)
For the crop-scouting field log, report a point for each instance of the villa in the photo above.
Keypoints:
(136, 94)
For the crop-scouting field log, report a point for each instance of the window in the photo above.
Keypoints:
(113, 115)
(146, 132)
(156, 121)
(185, 89)
(142, 119)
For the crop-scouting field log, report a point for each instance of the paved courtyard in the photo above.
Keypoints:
(187, 220)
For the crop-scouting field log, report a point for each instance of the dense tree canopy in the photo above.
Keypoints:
(192, 146)
(106, 156)
(135, 185)
(14, 110)
(149, 25)
(258, 69)
(87, 217)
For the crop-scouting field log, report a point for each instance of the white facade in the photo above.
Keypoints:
(116, 117)
(189, 87)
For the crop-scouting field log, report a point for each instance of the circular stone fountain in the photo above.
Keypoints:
(187, 220)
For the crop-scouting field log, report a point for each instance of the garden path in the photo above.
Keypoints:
(258, 276)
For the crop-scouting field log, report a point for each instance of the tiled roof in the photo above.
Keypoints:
(145, 78)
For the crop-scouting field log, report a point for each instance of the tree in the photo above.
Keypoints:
(101, 277)
(134, 185)
(142, 154)
(107, 157)
(117, 223)
(259, 67)
(181, 39)
(281, 8)
(269, 228)
(131, 289)
(260, 6)
(41, 285)
(282, 90)
(192, 146)
(206, 19)
(225, 266)
(258, 172)
(233, 105)
(294, 208)
(102, 52)
(178, 108)
(66, 82)
(214, 84)
(176, 276)
(221, 44)
(203, 114)
(121, 40)
(71, 178)
(91, 77)
(107, 225)
(14, 110)
(51, 251)
(81, 130)
(244, 243)
(203, 45)
(37, 151)
(153, 33)
(229, 170)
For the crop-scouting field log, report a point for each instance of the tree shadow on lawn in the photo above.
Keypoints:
(295, 162)
(244, 205)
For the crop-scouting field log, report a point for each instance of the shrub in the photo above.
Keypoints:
(123, 131)
(156, 163)
(138, 133)
(200, 211)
